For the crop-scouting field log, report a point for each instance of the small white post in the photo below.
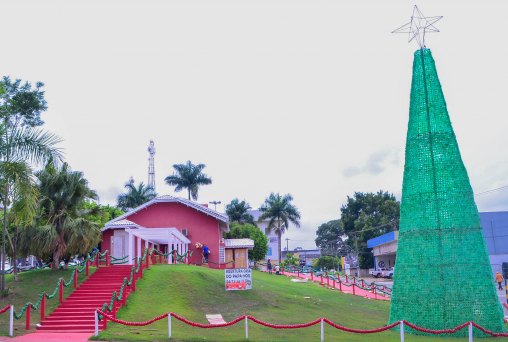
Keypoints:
(470, 331)
(11, 321)
(246, 328)
(401, 331)
(169, 325)
(96, 316)
(322, 330)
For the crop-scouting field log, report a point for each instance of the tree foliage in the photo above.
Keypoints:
(237, 211)
(100, 214)
(62, 229)
(290, 260)
(279, 211)
(22, 145)
(327, 262)
(250, 231)
(367, 215)
(329, 238)
(135, 195)
(188, 176)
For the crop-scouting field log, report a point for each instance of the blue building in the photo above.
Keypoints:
(495, 232)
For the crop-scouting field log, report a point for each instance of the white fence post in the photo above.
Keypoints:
(401, 331)
(169, 325)
(322, 330)
(246, 328)
(96, 317)
(470, 331)
(11, 321)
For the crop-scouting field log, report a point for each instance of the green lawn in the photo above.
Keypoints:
(193, 291)
(27, 289)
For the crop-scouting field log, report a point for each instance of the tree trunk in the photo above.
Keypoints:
(15, 240)
(279, 238)
(58, 252)
(4, 229)
(188, 191)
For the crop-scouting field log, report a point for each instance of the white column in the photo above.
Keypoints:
(170, 241)
(131, 248)
(139, 247)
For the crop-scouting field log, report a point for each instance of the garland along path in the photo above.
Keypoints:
(193, 292)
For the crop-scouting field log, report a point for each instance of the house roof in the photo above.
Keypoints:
(239, 243)
(223, 218)
(120, 224)
(158, 235)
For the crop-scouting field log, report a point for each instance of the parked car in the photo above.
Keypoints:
(388, 273)
(378, 273)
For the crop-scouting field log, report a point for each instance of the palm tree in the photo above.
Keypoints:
(24, 196)
(188, 176)
(21, 145)
(20, 142)
(238, 212)
(280, 212)
(63, 229)
(135, 196)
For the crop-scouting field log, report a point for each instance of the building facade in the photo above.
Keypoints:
(167, 223)
(495, 232)
(273, 239)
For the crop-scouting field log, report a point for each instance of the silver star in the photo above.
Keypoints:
(418, 26)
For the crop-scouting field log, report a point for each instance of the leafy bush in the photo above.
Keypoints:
(327, 262)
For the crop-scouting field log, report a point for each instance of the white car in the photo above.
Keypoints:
(378, 273)
(388, 273)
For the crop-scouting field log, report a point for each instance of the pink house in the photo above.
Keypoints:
(167, 223)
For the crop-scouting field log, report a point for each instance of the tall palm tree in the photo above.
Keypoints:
(24, 196)
(280, 212)
(135, 196)
(238, 212)
(20, 145)
(188, 176)
(63, 229)
(20, 140)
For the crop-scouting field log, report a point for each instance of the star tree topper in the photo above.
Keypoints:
(418, 26)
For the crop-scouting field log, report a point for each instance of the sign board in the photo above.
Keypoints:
(238, 279)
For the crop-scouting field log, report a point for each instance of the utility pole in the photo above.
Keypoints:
(287, 245)
(151, 167)
(215, 204)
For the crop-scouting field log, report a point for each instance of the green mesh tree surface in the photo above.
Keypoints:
(443, 276)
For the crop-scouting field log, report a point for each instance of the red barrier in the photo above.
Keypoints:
(27, 317)
(87, 268)
(298, 326)
(5, 309)
(75, 278)
(43, 306)
(61, 291)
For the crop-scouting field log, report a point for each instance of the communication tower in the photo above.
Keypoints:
(151, 167)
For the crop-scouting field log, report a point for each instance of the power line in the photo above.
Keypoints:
(491, 190)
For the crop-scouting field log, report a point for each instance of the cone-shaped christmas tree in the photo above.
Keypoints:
(443, 276)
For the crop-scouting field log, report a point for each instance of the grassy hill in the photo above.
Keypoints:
(27, 289)
(193, 292)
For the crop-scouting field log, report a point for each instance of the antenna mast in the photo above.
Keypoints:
(151, 167)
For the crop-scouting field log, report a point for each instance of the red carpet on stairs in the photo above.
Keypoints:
(76, 313)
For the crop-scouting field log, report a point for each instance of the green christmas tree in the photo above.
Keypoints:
(443, 276)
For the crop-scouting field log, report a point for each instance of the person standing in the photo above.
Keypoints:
(206, 253)
(499, 280)
(269, 266)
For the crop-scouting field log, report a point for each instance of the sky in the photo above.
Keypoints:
(306, 97)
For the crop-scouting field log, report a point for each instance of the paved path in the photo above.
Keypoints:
(49, 337)
(502, 298)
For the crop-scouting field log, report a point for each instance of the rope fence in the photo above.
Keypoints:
(373, 290)
(246, 318)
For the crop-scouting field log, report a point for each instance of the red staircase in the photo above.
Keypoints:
(76, 313)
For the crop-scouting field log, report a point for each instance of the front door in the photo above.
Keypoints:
(229, 257)
(117, 247)
(240, 258)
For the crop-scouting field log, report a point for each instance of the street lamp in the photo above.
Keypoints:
(215, 204)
